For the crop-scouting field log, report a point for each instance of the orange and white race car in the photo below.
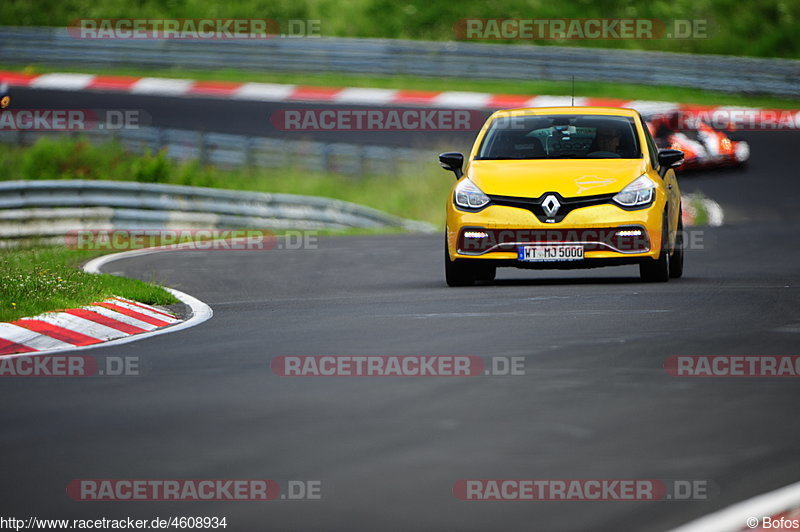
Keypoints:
(703, 145)
(5, 99)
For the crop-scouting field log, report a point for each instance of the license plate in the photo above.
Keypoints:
(550, 253)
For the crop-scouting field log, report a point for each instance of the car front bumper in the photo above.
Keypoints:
(607, 232)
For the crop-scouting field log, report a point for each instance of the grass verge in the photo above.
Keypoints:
(554, 88)
(415, 193)
(44, 278)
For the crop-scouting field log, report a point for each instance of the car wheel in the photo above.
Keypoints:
(457, 273)
(676, 260)
(657, 271)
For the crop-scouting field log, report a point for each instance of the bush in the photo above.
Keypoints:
(149, 168)
(59, 158)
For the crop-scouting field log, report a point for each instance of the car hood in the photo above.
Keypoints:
(568, 177)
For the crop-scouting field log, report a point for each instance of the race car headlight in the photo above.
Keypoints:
(469, 196)
(742, 151)
(640, 192)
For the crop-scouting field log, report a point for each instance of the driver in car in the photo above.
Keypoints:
(606, 139)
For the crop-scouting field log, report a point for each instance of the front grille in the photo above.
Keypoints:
(535, 204)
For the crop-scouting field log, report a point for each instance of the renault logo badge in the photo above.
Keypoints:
(550, 206)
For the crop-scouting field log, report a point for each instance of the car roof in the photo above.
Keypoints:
(583, 110)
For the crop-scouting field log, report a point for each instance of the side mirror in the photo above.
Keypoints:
(670, 158)
(453, 162)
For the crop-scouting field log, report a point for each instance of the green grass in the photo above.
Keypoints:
(416, 192)
(39, 279)
(43, 278)
(555, 88)
(759, 28)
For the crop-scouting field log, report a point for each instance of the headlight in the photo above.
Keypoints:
(468, 195)
(640, 192)
(742, 151)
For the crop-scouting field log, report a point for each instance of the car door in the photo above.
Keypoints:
(670, 181)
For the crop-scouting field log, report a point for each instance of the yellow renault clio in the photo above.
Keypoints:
(563, 187)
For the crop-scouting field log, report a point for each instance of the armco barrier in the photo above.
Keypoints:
(226, 150)
(48, 209)
(54, 46)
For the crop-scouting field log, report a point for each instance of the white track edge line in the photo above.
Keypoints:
(734, 517)
(200, 311)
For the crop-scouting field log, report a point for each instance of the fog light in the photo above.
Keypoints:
(476, 234)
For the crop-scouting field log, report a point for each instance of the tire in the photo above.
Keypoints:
(657, 271)
(458, 273)
(676, 260)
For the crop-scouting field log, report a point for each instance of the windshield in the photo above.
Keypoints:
(561, 137)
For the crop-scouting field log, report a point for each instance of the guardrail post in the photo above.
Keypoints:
(247, 146)
(202, 148)
(158, 139)
(360, 161)
(325, 154)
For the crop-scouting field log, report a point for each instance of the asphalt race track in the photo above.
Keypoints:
(595, 401)
(228, 116)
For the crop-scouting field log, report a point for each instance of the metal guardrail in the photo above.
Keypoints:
(54, 46)
(51, 208)
(226, 150)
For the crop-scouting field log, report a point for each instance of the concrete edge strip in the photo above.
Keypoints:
(277, 92)
(200, 312)
(735, 517)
